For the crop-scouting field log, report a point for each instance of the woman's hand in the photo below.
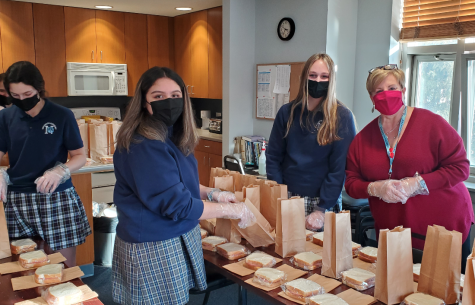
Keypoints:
(315, 220)
(238, 211)
(4, 181)
(413, 186)
(389, 191)
(52, 178)
(224, 197)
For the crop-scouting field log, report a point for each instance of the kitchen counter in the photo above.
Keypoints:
(206, 135)
(94, 168)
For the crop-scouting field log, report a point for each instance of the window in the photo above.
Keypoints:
(468, 99)
(433, 84)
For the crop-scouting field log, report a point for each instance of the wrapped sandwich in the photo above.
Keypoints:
(62, 294)
(309, 235)
(358, 279)
(22, 246)
(269, 277)
(368, 254)
(307, 260)
(232, 251)
(422, 299)
(209, 243)
(49, 274)
(259, 260)
(416, 272)
(204, 233)
(33, 259)
(326, 299)
(318, 239)
(302, 289)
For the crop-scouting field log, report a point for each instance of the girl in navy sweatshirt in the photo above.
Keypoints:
(309, 141)
(157, 254)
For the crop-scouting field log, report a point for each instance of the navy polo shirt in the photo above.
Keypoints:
(35, 145)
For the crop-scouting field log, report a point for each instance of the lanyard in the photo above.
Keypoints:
(392, 151)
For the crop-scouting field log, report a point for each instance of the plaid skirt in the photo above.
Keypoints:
(311, 204)
(160, 272)
(58, 218)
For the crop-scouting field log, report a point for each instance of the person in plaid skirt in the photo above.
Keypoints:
(309, 142)
(157, 254)
(36, 190)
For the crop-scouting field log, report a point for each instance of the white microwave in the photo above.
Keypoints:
(96, 79)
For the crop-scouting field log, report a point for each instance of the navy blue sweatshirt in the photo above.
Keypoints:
(157, 192)
(298, 161)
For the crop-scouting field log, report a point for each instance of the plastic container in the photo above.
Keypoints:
(104, 239)
(262, 161)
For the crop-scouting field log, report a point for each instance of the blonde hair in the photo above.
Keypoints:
(378, 75)
(328, 130)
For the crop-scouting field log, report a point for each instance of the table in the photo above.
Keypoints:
(215, 262)
(9, 297)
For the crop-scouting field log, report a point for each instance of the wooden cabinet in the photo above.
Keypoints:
(208, 154)
(110, 37)
(135, 48)
(161, 46)
(16, 28)
(215, 44)
(80, 31)
(199, 54)
(50, 46)
(182, 33)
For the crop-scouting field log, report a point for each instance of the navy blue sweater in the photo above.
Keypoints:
(298, 161)
(157, 192)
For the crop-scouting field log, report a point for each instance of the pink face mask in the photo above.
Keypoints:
(388, 102)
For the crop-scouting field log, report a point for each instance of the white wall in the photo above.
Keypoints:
(372, 50)
(341, 45)
(238, 67)
(394, 52)
(310, 17)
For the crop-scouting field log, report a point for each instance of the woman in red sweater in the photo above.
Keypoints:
(410, 163)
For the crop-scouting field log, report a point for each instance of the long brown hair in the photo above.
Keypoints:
(328, 130)
(138, 121)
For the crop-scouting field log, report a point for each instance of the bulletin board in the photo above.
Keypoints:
(267, 101)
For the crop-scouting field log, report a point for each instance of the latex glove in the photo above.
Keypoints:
(220, 196)
(52, 178)
(4, 182)
(388, 190)
(413, 186)
(238, 211)
(315, 220)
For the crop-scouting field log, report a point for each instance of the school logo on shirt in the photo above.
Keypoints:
(49, 128)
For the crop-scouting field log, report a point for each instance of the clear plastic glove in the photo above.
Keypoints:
(52, 178)
(216, 195)
(315, 220)
(413, 186)
(4, 182)
(238, 211)
(387, 190)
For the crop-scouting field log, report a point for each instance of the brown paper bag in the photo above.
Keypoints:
(224, 183)
(337, 254)
(84, 132)
(225, 228)
(469, 286)
(270, 192)
(212, 174)
(441, 263)
(248, 180)
(209, 225)
(239, 196)
(290, 227)
(216, 172)
(98, 140)
(259, 234)
(394, 277)
(253, 193)
(237, 181)
(4, 239)
(113, 128)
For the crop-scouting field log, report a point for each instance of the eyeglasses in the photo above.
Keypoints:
(386, 67)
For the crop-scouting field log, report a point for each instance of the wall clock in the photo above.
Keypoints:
(286, 29)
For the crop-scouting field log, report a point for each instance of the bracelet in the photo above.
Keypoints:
(210, 194)
(369, 190)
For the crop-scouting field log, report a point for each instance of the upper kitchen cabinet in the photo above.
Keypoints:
(80, 29)
(160, 41)
(50, 46)
(182, 33)
(199, 54)
(16, 30)
(110, 37)
(135, 48)
(215, 42)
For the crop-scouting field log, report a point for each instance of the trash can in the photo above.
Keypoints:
(104, 237)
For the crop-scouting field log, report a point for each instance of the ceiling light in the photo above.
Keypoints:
(103, 7)
(183, 8)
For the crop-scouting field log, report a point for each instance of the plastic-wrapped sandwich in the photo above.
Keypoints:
(204, 233)
(326, 299)
(49, 274)
(355, 247)
(259, 260)
(232, 251)
(269, 277)
(309, 234)
(359, 279)
(33, 259)
(422, 299)
(307, 260)
(318, 238)
(368, 254)
(416, 272)
(22, 246)
(62, 294)
(302, 289)
(210, 242)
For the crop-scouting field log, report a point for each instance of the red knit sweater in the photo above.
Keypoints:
(429, 146)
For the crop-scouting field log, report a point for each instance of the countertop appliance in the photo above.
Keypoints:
(215, 126)
(96, 79)
(113, 112)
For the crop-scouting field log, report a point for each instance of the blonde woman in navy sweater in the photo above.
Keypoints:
(158, 256)
(309, 141)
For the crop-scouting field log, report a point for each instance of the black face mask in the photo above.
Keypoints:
(4, 101)
(168, 110)
(317, 89)
(26, 104)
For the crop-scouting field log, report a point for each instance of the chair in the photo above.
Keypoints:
(360, 215)
(215, 281)
(233, 164)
